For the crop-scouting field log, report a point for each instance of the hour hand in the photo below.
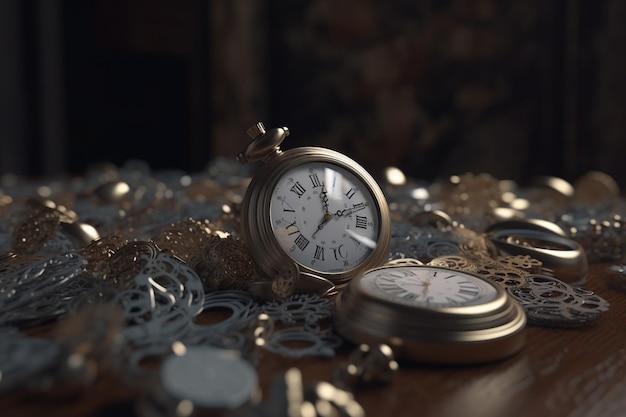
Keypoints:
(327, 216)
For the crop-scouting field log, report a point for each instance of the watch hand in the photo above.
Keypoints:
(340, 213)
(327, 216)
(324, 197)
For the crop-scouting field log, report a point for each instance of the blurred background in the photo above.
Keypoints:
(513, 88)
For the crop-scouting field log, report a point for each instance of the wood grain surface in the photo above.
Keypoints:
(576, 372)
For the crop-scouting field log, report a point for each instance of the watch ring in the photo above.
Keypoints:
(564, 256)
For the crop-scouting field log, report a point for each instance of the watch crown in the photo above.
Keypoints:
(256, 130)
(264, 144)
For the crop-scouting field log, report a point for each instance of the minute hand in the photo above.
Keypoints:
(348, 211)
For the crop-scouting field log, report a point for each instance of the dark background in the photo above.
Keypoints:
(513, 88)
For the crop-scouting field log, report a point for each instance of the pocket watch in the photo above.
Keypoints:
(431, 314)
(312, 206)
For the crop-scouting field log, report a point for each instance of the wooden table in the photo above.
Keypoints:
(560, 372)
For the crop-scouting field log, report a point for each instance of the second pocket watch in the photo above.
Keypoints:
(431, 314)
(312, 206)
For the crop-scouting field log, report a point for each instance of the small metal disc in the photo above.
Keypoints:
(211, 378)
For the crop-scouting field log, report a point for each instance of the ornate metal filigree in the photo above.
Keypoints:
(25, 287)
(550, 302)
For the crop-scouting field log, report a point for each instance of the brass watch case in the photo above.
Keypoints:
(256, 227)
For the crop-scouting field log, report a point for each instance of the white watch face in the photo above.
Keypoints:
(426, 286)
(324, 217)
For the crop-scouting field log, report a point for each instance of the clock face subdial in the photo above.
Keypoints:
(324, 217)
(427, 287)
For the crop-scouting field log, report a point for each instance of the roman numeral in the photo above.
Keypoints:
(339, 252)
(315, 180)
(319, 253)
(351, 192)
(301, 242)
(361, 222)
(394, 290)
(401, 274)
(292, 228)
(287, 207)
(469, 293)
(387, 284)
(409, 296)
(298, 189)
